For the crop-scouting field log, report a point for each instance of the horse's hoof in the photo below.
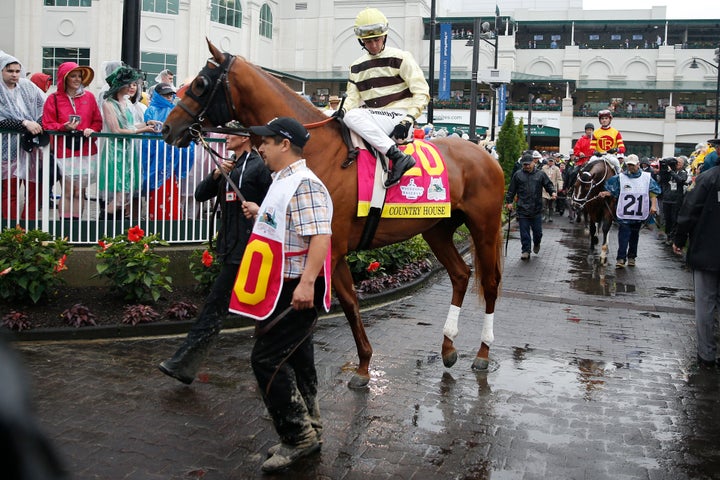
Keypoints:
(450, 359)
(358, 381)
(481, 364)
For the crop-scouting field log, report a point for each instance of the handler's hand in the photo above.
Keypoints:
(677, 249)
(250, 209)
(604, 193)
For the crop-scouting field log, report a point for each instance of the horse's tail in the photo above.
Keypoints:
(497, 264)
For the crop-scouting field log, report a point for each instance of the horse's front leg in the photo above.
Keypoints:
(606, 224)
(345, 290)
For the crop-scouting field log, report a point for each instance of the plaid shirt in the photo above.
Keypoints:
(307, 215)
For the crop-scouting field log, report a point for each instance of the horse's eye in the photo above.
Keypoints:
(200, 85)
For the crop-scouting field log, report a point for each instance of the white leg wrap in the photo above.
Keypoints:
(487, 336)
(450, 329)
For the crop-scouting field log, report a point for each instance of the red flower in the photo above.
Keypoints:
(373, 266)
(61, 264)
(207, 259)
(102, 244)
(135, 234)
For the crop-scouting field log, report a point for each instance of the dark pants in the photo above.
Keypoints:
(209, 322)
(526, 225)
(283, 360)
(628, 237)
(670, 213)
(707, 301)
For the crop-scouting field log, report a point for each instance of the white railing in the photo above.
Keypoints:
(33, 184)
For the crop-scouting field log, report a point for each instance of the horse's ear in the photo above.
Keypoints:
(216, 54)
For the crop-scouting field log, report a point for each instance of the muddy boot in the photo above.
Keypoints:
(185, 364)
(401, 163)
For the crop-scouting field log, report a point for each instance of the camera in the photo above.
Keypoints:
(668, 163)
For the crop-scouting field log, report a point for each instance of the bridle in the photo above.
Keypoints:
(592, 184)
(212, 107)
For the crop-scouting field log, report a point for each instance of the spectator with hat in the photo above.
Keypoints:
(73, 109)
(555, 175)
(332, 106)
(527, 185)
(636, 194)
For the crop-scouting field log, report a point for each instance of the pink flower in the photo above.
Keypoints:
(135, 234)
(207, 259)
(6, 271)
(373, 266)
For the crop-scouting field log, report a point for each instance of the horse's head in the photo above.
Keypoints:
(590, 181)
(206, 102)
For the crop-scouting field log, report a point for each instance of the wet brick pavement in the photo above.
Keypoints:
(592, 377)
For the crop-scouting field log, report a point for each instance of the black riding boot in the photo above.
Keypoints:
(185, 363)
(401, 163)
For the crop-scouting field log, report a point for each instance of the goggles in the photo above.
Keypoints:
(370, 31)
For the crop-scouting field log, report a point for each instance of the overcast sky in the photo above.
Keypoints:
(698, 9)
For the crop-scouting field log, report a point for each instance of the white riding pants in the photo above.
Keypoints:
(375, 126)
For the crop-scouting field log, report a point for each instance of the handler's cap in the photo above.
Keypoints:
(285, 127)
(632, 159)
(526, 158)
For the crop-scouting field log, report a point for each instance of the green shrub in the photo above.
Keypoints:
(387, 260)
(205, 267)
(29, 264)
(131, 264)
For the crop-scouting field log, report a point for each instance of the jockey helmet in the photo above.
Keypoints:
(605, 113)
(370, 23)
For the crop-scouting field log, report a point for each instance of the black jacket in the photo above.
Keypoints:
(528, 187)
(698, 218)
(672, 184)
(234, 229)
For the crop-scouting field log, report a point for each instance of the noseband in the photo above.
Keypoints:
(590, 183)
(212, 106)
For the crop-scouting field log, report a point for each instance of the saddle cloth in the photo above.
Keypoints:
(423, 192)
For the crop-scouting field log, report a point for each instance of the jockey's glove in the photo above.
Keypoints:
(339, 113)
(402, 129)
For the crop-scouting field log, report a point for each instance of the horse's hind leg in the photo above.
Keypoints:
(345, 291)
(440, 239)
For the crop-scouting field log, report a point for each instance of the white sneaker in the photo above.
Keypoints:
(286, 455)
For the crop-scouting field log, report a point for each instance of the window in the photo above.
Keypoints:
(67, 3)
(53, 57)
(153, 63)
(227, 12)
(266, 21)
(170, 7)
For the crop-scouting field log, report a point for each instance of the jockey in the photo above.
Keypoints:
(391, 87)
(607, 139)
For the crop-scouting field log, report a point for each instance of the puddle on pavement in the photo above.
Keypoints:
(587, 273)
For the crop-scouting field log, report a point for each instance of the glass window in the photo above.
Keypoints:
(53, 57)
(170, 7)
(153, 63)
(266, 21)
(68, 3)
(227, 12)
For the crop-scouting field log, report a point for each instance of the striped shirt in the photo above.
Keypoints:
(390, 79)
(307, 215)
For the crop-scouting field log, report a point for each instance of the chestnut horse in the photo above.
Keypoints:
(598, 211)
(230, 87)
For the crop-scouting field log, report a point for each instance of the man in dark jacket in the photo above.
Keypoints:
(249, 173)
(528, 185)
(698, 219)
(672, 178)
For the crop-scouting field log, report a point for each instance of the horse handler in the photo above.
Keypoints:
(528, 184)
(637, 193)
(277, 284)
